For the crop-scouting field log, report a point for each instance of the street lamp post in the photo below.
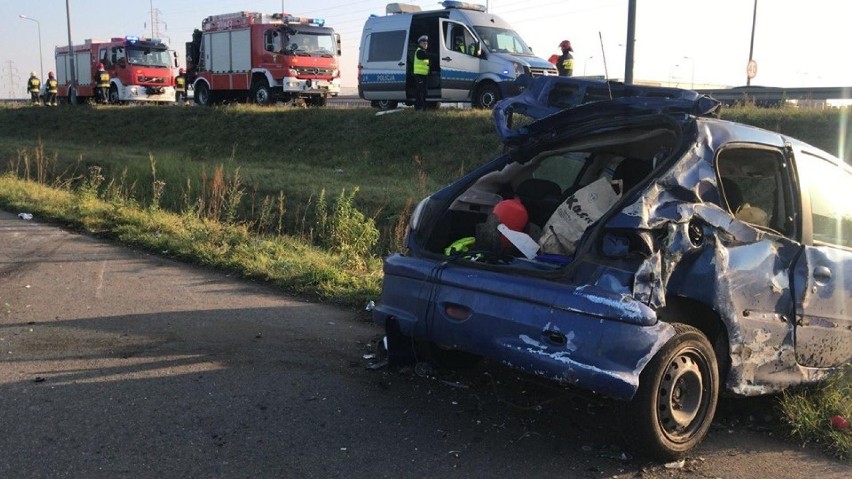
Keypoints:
(40, 62)
(586, 63)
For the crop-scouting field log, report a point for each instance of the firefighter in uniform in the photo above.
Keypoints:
(565, 62)
(420, 69)
(52, 88)
(102, 82)
(180, 87)
(33, 86)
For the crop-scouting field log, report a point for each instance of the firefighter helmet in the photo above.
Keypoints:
(566, 45)
(181, 71)
(100, 66)
(50, 74)
(32, 73)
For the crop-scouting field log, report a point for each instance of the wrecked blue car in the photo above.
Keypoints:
(640, 248)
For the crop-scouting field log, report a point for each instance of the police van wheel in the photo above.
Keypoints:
(385, 105)
(261, 94)
(486, 96)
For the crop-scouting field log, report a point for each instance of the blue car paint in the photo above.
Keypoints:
(754, 280)
(608, 337)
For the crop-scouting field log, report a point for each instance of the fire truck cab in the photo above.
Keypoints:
(264, 58)
(140, 70)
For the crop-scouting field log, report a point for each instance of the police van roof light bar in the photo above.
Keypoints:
(463, 5)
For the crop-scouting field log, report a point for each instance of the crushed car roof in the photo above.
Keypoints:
(546, 97)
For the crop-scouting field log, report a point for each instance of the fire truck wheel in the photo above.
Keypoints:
(317, 101)
(113, 95)
(203, 95)
(261, 93)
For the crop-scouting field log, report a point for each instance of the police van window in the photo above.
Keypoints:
(830, 192)
(386, 46)
(459, 39)
(755, 188)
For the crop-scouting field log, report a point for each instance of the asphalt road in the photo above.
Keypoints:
(118, 363)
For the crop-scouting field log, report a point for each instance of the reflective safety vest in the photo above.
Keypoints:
(568, 64)
(34, 84)
(421, 67)
(180, 83)
(52, 85)
(103, 79)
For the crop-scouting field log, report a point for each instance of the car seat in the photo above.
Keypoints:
(540, 197)
(630, 171)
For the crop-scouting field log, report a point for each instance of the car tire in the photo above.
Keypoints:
(203, 95)
(261, 93)
(678, 391)
(487, 95)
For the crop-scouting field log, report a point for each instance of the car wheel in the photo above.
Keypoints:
(261, 94)
(385, 105)
(677, 395)
(487, 96)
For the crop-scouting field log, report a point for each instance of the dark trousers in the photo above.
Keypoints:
(34, 97)
(102, 94)
(422, 87)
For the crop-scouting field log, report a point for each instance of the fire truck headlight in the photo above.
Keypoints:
(335, 73)
(133, 90)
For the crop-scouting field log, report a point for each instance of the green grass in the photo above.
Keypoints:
(306, 199)
(808, 413)
(296, 153)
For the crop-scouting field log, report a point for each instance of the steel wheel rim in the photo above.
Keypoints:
(682, 397)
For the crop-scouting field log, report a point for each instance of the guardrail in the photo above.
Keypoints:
(776, 95)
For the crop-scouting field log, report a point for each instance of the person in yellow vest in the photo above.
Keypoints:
(565, 62)
(33, 86)
(102, 84)
(51, 89)
(421, 70)
(180, 87)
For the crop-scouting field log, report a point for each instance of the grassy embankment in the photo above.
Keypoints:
(306, 199)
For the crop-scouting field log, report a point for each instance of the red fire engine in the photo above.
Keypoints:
(264, 58)
(140, 70)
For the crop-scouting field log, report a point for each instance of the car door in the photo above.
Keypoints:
(459, 61)
(382, 71)
(824, 271)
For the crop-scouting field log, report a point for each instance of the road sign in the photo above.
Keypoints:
(751, 69)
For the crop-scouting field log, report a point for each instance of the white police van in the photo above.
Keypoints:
(480, 56)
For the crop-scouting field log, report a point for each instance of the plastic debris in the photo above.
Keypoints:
(25, 216)
(370, 305)
(839, 422)
(676, 464)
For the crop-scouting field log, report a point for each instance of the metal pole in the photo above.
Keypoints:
(751, 47)
(40, 61)
(73, 87)
(631, 39)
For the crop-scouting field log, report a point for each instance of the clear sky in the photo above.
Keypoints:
(705, 42)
